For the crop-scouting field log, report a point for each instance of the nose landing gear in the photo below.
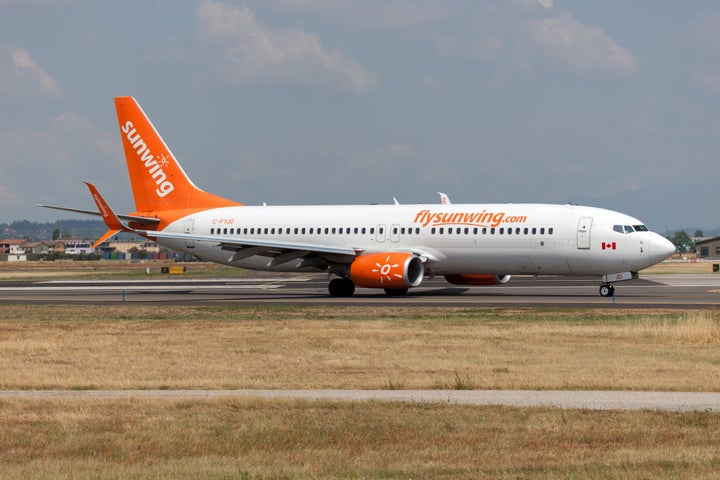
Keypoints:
(607, 290)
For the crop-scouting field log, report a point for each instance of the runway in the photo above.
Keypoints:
(651, 291)
(587, 400)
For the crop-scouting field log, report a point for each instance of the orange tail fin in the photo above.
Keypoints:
(157, 179)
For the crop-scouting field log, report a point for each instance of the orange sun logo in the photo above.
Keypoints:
(385, 271)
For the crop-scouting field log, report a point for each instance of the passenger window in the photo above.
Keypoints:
(355, 230)
(509, 231)
(550, 231)
(432, 231)
(475, 230)
(525, 231)
(492, 231)
(310, 231)
(501, 231)
(441, 231)
(484, 231)
(362, 230)
(534, 230)
(224, 231)
(517, 231)
(542, 231)
(417, 231)
(372, 230)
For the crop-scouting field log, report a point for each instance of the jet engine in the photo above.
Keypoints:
(388, 270)
(477, 279)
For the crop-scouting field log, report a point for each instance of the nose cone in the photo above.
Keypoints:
(660, 248)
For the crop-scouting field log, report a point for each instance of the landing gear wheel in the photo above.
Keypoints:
(607, 290)
(396, 292)
(341, 287)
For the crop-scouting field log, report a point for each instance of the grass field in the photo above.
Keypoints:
(242, 439)
(164, 347)
(177, 347)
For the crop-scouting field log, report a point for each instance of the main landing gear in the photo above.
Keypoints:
(344, 287)
(341, 287)
(607, 290)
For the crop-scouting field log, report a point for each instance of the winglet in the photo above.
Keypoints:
(111, 220)
(444, 199)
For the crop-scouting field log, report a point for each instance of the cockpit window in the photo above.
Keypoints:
(629, 228)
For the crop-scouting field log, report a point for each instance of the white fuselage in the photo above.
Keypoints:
(451, 239)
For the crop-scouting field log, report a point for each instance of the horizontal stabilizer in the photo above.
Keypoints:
(126, 218)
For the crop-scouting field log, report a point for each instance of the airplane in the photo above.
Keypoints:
(391, 247)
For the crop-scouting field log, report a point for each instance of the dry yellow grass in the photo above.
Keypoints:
(178, 347)
(130, 346)
(288, 439)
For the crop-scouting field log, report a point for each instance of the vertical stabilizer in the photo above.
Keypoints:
(157, 179)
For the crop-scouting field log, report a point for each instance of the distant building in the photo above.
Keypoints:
(708, 248)
(16, 249)
(126, 246)
(74, 246)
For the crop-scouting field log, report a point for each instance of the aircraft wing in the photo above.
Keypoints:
(277, 252)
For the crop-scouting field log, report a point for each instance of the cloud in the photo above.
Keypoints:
(483, 46)
(251, 51)
(21, 76)
(48, 164)
(584, 48)
(379, 14)
(6, 196)
(546, 3)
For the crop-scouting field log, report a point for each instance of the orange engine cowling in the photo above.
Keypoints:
(477, 279)
(387, 270)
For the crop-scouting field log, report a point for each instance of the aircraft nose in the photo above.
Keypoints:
(661, 248)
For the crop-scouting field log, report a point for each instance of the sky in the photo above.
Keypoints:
(613, 104)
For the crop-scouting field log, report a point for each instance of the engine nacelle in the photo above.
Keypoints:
(477, 279)
(393, 270)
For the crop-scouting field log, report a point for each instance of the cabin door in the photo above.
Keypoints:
(583, 233)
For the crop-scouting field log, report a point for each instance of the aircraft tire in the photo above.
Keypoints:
(341, 287)
(607, 290)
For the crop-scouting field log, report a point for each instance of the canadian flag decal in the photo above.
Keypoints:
(609, 246)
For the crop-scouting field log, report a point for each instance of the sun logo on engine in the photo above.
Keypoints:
(385, 271)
